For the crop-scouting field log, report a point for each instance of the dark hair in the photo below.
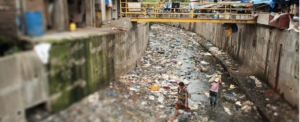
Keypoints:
(181, 84)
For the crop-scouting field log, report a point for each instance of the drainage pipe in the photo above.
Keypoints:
(277, 73)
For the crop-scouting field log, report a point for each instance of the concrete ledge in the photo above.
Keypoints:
(122, 23)
(258, 95)
(23, 84)
(56, 37)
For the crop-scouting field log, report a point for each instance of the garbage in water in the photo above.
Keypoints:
(232, 86)
(247, 106)
(150, 91)
(227, 111)
(238, 103)
(204, 62)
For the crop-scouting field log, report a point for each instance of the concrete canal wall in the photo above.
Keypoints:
(257, 47)
(76, 68)
(83, 66)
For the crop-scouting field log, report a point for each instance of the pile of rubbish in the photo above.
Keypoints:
(257, 82)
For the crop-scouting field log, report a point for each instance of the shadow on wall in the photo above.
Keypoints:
(9, 45)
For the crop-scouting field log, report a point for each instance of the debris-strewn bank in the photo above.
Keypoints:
(257, 48)
(271, 106)
(149, 93)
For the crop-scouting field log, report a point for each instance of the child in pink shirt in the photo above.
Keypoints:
(214, 87)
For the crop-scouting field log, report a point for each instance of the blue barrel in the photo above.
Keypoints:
(34, 24)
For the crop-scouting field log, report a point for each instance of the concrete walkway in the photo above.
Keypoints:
(270, 105)
(54, 36)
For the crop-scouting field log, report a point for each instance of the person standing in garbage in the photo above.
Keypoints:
(214, 88)
(182, 100)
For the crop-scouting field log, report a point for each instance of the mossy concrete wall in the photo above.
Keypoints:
(257, 47)
(82, 66)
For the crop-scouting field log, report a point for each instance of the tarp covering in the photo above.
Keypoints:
(218, 5)
(205, 6)
(234, 28)
(271, 3)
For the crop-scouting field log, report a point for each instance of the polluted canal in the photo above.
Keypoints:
(149, 93)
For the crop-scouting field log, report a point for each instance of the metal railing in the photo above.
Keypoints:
(224, 10)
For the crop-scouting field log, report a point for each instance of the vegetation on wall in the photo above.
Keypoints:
(262, 77)
(7, 47)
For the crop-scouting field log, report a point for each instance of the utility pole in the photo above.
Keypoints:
(103, 11)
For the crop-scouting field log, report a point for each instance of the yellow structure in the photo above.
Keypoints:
(193, 20)
(225, 17)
